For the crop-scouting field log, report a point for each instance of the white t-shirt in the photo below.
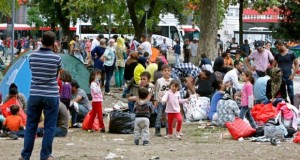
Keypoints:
(95, 43)
(146, 47)
(194, 48)
(1, 42)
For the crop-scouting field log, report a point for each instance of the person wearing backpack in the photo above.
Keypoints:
(286, 60)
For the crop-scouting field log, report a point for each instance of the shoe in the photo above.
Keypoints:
(145, 142)
(178, 135)
(157, 132)
(76, 125)
(4, 134)
(89, 130)
(13, 136)
(21, 158)
(136, 142)
(108, 94)
(50, 158)
(102, 130)
(168, 136)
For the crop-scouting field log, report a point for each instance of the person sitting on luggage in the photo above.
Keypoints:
(13, 125)
(143, 109)
(144, 82)
(275, 91)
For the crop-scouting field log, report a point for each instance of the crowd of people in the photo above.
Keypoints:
(57, 102)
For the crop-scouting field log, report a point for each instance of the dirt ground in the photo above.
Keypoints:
(196, 144)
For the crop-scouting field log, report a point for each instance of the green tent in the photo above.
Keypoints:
(78, 71)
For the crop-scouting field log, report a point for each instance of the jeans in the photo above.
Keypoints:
(109, 70)
(131, 106)
(277, 100)
(49, 106)
(177, 59)
(160, 110)
(78, 116)
(245, 111)
(60, 132)
(290, 88)
(119, 76)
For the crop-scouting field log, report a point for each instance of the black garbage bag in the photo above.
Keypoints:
(152, 120)
(121, 122)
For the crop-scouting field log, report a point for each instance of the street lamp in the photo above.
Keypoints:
(146, 7)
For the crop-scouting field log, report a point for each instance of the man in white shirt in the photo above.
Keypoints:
(145, 46)
(232, 75)
(96, 41)
(194, 49)
(164, 46)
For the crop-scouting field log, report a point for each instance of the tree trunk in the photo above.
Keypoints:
(209, 28)
(241, 31)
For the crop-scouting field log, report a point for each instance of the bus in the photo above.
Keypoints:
(189, 31)
(24, 30)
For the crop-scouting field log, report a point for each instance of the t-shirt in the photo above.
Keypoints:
(218, 64)
(186, 49)
(95, 43)
(214, 102)
(194, 48)
(285, 63)
(164, 46)
(13, 122)
(44, 65)
(206, 87)
(151, 68)
(261, 61)
(177, 48)
(84, 100)
(260, 86)
(246, 93)
(1, 42)
(146, 47)
(63, 117)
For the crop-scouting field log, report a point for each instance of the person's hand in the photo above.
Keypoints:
(291, 77)
(272, 100)
(253, 68)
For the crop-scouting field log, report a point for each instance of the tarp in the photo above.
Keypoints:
(20, 74)
(155, 54)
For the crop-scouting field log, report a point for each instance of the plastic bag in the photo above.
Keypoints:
(85, 123)
(197, 108)
(121, 122)
(262, 113)
(6, 109)
(297, 137)
(239, 128)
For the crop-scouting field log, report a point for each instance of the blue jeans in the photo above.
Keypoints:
(245, 111)
(49, 106)
(277, 100)
(131, 106)
(177, 59)
(78, 115)
(60, 132)
(290, 88)
(109, 70)
(160, 110)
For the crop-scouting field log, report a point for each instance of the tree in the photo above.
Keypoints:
(6, 6)
(288, 27)
(126, 13)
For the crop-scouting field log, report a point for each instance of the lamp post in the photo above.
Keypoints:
(13, 31)
(146, 7)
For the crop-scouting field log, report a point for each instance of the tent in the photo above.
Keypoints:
(20, 74)
(155, 54)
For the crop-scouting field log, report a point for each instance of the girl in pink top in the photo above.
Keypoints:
(88, 45)
(162, 57)
(247, 97)
(97, 99)
(172, 100)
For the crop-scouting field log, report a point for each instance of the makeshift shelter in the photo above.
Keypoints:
(20, 74)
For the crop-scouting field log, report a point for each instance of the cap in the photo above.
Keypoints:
(196, 39)
(258, 44)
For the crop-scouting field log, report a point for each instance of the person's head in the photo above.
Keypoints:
(120, 42)
(134, 54)
(111, 42)
(100, 36)
(247, 76)
(268, 45)
(203, 55)
(237, 55)
(143, 93)
(219, 85)
(246, 41)
(186, 41)
(146, 54)
(95, 76)
(268, 71)
(142, 61)
(279, 45)
(233, 39)
(14, 109)
(76, 38)
(275, 73)
(228, 55)
(259, 45)
(195, 40)
(143, 37)
(13, 90)
(102, 42)
(174, 86)
(239, 65)
(65, 76)
(145, 78)
(218, 36)
(159, 65)
(75, 86)
(164, 40)
(48, 39)
(157, 60)
(204, 74)
(224, 54)
(115, 37)
(166, 71)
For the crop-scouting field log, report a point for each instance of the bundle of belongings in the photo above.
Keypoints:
(197, 108)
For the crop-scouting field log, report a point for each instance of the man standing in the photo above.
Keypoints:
(219, 45)
(194, 49)
(186, 51)
(96, 41)
(233, 46)
(164, 46)
(44, 97)
(285, 61)
(261, 60)
(245, 48)
(233, 75)
(145, 46)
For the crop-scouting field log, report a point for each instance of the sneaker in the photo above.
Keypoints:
(13, 136)
(168, 136)
(21, 158)
(136, 142)
(4, 134)
(145, 142)
(50, 158)
(89, 130)
(157, 132)
(178, 135)
(76, 125)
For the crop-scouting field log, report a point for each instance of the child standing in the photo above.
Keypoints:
(97, 99)
(247, 97)
(66, 88)
(172, 100)
(13, 124)
(161, 87)
(143, 108)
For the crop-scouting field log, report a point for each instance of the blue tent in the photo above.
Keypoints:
(18, 73)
